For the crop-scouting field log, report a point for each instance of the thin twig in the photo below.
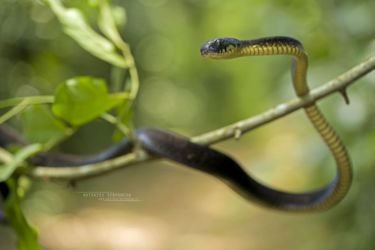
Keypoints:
(114, 121)
(338, 84)
(89, 170)
(30, 100)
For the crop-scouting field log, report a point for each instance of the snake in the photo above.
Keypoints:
(165, 144)
(326, 197)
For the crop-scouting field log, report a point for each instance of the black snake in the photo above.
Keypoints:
(167, 145)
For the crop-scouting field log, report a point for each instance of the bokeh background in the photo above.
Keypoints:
(179, 208)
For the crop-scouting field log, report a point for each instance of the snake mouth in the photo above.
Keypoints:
(206, 50)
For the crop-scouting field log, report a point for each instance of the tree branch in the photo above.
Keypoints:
(338, 84)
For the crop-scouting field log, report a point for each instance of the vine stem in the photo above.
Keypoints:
(20, 104)
(30, 100)
(339, 84)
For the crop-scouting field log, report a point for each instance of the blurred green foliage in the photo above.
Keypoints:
(179, 90)
(13, 210)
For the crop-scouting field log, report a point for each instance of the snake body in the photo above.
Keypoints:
(168, 145)
(226, 48)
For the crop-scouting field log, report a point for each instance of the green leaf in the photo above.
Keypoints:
(7, 170)
(107, 23)
(82, 99)
(77, 28)
(41, 127)
(27, 236)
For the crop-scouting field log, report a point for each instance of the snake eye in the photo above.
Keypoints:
(216, 44)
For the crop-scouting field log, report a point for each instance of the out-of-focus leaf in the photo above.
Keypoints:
(41, 127)
(7, 169)
(80, 100)
(107, 23)
(119, 15)
(76, 27)
(27, 236)
(94, 3)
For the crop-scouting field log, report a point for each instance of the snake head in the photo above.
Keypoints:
(220, 48)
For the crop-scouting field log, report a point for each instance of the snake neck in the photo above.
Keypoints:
(281, 46)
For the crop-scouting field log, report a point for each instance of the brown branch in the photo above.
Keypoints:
(338, 84)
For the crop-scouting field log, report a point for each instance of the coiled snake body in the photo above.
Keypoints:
(171, 146)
